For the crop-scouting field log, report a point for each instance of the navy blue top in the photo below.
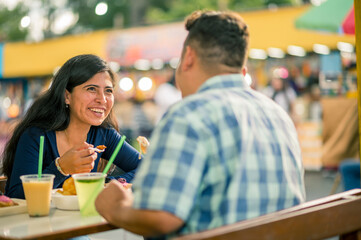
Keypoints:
(27, 156)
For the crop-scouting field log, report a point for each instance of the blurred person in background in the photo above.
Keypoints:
(280, 92)
(350, 173)
(223, 154)
(165, 96)
(136, 118)
(142, 123)
(315, 106)
(73, 115)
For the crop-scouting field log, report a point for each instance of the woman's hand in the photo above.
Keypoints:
(79, 159)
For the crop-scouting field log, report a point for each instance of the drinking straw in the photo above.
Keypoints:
(115, 153)
(41, 150)
(106, 169)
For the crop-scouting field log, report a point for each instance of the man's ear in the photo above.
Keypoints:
(188, 58)
(244, 70)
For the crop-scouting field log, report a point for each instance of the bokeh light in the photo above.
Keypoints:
(126, 84)
(101, 8)
(145, 84)
(25, 22)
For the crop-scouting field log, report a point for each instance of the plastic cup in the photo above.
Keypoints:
(38, 193)
(88, 186)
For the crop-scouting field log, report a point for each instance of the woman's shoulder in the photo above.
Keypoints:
(32, 134)
(34, 131)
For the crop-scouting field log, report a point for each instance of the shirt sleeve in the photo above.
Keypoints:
(168, 178)
(26, 162)
(127, 159)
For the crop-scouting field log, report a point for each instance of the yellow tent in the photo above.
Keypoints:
(38, 59)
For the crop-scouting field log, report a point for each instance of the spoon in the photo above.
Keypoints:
(99, 149)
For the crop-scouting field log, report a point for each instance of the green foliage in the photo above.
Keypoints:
(122, 13)
(10, 23)
(88, 20)
(246, 5)
(175, 10)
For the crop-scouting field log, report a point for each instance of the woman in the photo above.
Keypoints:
(74, 115)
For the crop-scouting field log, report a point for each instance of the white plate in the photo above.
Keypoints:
(21, 208)
(64, 202)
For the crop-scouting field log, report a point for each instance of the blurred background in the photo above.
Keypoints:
(309, 71)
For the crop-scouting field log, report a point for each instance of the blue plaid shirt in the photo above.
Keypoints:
(224, 154)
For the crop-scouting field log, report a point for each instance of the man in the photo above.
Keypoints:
(223, 154)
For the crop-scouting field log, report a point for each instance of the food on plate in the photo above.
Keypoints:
(6, 201)
(68, 187)
(64, 202)
(123, 181)
(101, 147)
(143, 143)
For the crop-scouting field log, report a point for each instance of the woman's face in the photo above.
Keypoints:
(277, 84)
(91, 102)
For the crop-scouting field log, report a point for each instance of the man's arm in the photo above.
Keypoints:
(114, 203)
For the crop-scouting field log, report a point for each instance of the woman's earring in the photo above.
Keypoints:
(67, 105)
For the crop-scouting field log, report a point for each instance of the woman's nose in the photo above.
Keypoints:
(101, 97)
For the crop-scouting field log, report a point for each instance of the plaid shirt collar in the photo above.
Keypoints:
(224, 81)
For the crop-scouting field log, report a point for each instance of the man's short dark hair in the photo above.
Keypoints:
(218, 37)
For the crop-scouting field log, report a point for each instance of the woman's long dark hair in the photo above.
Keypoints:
(49, 111)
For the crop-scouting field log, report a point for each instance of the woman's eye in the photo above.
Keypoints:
(91, 89)
(109, 91)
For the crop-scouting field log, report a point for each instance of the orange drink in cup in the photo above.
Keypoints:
(38, 193)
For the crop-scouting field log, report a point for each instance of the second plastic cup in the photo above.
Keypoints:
(88, 186)
(38, 193)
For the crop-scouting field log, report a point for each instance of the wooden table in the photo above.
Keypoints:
(331, 216)
(59, 224)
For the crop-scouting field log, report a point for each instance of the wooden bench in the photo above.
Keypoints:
(335, 215)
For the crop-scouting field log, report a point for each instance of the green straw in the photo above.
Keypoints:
(41, 150)
(106, 169)
(115, 153)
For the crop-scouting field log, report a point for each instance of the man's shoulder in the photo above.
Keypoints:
(191, 103)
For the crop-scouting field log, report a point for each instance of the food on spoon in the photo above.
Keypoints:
(143, 143)
(6, 201)
(68, 187)
(101, 147)
(123, 181)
